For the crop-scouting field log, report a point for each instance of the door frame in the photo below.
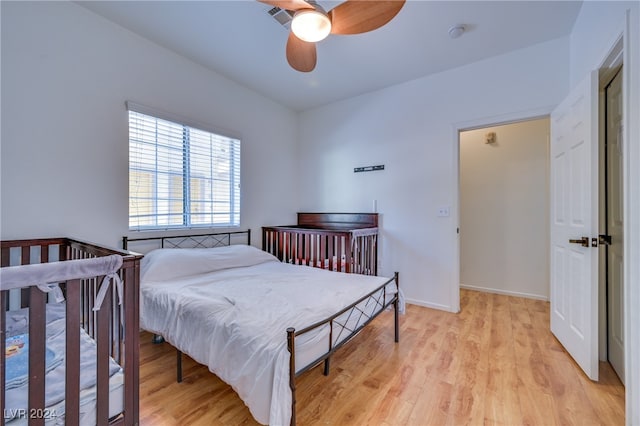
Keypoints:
(619, 50)
(630, 191)
(607, 72)
(458, 128)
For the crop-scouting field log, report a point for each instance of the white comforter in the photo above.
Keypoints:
(234, 318)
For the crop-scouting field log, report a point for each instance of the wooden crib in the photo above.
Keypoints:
(345, 242)
(112, 332)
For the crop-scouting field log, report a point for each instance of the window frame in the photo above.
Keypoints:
(233, 189)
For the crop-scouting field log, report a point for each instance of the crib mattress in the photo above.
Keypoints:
(16, 381)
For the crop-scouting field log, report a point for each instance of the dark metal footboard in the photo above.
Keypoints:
(378, 296)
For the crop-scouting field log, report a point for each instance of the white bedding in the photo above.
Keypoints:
(234, 317)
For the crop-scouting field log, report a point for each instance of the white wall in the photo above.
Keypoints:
(504, 209)
(410, 129)
(597, 27)
(66, 74)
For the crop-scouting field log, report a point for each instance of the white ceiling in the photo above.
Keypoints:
(241, 41)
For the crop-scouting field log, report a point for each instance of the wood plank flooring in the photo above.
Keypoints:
(494, 363)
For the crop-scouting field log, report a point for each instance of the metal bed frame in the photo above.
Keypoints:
(377, 296)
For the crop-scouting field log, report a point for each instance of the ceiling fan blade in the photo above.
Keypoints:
(288, 4)
(301, 55)
(357, 16)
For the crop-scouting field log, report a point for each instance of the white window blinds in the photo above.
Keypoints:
(181, 176)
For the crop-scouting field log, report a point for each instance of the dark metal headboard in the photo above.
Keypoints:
(211, 240)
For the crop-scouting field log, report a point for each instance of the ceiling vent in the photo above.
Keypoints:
(283, 16)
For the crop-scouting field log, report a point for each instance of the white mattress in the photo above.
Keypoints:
(16, 411)
(234, 318)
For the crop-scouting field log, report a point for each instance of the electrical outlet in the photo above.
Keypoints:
(443, 211)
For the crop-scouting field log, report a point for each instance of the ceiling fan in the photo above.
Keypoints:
(311, 23)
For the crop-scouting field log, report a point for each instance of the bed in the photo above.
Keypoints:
(52, 376)
(346, 242)
(256, 322)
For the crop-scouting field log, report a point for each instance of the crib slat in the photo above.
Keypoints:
(26, 256)
(339, 251)
(114, 328)
(316, 251)
(361, 264)
(131, 351)
(62, 252)
(374, 255)
(306, 248)
(72, 379)
(91, 316)
(369, 254)
(102, 369)
(26, 259)
(286, 255)
(5, 256)
(44, 254)
(323, 250)
(312, 249)
(331, 252)
(266, 237)
(365, 254)
(280, 254)
(347, 254)
(292, 247)
(37, 348)
(358, 261)
(298, 252)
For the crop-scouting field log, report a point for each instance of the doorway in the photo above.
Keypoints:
(504, 205)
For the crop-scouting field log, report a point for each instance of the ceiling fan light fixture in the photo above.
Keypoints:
(311, 25)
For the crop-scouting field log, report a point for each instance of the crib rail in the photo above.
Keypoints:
(114, 328)
(336, 250)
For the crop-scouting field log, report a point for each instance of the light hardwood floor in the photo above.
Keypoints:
(494, 363)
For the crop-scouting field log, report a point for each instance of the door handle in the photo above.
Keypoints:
(583, 241)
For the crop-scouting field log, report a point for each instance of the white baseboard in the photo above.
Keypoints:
(505, 292)
(475, 288)
(428, 304)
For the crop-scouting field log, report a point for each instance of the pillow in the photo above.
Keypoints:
(168, 264)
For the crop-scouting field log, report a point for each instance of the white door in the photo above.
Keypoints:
(614, 220)
(574, 223)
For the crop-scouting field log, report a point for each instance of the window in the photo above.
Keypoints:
(181, 176)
